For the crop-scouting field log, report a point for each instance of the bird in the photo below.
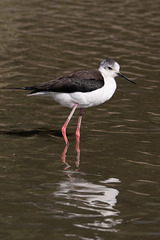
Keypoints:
(81, 89)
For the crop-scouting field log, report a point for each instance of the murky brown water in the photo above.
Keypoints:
(112, 190)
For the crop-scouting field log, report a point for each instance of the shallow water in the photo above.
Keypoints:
(110, 189)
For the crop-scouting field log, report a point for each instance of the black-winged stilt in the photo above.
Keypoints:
(81, 89)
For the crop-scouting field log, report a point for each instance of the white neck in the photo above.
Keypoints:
(105, 75)
(109, 83)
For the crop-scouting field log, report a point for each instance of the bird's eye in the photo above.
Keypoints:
(109, 68)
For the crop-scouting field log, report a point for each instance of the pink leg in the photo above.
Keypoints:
(79, 126)
(78, 154)
(63, 129)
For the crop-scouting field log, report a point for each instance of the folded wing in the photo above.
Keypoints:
(79, 81)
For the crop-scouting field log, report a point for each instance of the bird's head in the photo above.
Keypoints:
(112, 69)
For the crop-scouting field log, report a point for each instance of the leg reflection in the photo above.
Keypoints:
(64, 156)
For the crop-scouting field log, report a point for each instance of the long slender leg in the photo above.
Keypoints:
(63, 129)
(78, 137)
(79, 126)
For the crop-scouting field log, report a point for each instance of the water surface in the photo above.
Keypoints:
(110, 189)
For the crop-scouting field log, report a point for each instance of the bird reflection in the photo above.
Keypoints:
(91, 201)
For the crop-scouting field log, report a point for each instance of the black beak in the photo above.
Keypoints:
(121, 75)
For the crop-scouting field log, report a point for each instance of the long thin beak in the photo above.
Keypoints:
(121, 75)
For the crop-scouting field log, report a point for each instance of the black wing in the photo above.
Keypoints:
(79, 81)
